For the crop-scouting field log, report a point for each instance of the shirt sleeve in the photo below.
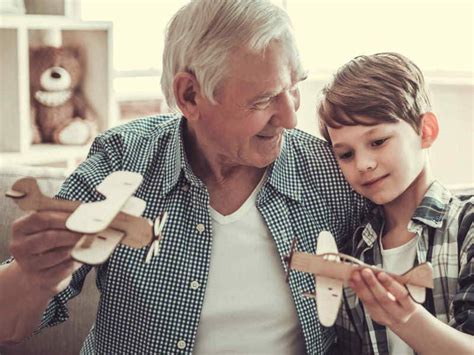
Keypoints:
(463, 302)
(80, 185)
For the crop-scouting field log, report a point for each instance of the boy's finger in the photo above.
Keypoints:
(362, 289)
(370, 302)
(396, 289)
(383, 296)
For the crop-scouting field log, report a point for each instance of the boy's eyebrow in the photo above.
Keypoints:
(368, 133)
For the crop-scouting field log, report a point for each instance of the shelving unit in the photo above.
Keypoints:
(17, 34)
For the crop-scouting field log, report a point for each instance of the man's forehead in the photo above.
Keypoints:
(246, 66)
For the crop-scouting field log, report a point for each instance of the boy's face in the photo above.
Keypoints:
(381, 161)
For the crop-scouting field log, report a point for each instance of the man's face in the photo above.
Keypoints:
(257, 101)
(380, 162)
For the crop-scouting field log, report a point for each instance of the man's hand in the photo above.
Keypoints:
(386, 300)
(42, 246)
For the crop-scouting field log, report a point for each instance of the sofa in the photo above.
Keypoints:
(66, 338)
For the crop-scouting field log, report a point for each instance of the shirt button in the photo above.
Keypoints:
(181, 344)
(200, 227)
(195, 285)
(185, 187)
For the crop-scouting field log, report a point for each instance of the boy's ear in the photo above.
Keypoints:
(429, 129)
(186, 88)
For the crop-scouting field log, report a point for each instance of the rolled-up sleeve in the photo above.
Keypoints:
(463, 302)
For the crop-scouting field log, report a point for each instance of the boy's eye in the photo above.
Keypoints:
(345, 156)
(378, 142)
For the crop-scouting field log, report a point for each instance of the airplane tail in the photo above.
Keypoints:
(420, 275)
(417, 280)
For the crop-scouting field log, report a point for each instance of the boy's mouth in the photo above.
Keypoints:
(374, 181)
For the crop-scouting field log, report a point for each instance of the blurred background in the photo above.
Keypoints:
(120, 44)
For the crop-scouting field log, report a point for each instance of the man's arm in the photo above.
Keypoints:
(43, 267)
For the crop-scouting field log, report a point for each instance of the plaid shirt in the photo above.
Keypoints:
(152, 308)
(444, 227)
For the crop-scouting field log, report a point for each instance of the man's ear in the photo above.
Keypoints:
(186, 88)
(429, 129)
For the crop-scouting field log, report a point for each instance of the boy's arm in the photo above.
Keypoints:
(409, 320)
(464, 299)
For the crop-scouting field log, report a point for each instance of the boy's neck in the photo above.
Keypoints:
(399, 211)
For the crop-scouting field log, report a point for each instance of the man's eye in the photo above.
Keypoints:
(261, 105)
(378, 142)
(345, 156)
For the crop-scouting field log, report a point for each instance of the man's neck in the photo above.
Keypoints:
(229, 184)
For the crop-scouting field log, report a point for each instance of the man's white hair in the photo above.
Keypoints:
(203, 33)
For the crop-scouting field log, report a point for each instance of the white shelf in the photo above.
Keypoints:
(47, 155)
(18, 33)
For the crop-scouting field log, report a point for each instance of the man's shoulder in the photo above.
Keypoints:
(302, 138)
(144, 128)
(309, 148)
(313, 157)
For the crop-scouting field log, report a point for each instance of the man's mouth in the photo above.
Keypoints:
(373, 182)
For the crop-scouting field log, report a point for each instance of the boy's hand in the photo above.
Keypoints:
(386, 300)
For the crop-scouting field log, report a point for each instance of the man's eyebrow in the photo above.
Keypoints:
(301, 76)
(264, 95)
(267, 94)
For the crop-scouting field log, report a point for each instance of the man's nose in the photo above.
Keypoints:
(285, 115)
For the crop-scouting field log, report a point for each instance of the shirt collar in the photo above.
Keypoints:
(434, 206)
(431, 211)
(374, 224)
(176, 162)
(281, 173)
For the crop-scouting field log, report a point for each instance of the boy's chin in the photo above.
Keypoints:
(381, 198)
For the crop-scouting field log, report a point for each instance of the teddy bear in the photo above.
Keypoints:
(59, 110)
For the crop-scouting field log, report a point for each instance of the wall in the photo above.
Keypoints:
(452, 155)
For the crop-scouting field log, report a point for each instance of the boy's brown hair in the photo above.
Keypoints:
(383, 87)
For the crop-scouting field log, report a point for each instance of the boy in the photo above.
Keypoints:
(376, 115)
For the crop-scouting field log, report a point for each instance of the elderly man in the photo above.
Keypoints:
(239, 183)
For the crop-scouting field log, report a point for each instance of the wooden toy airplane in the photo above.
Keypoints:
(332, 270)
(104, 223)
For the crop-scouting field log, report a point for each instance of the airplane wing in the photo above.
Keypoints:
(328, 290)
(95, 249)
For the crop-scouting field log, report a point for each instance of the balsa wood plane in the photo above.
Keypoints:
(104, 223)
(332, 270)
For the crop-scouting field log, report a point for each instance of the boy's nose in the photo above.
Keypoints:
(365, 164)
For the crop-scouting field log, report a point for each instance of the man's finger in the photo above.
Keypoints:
(40, 221)
(45, 241)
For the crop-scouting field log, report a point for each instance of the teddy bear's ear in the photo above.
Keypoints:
(32, 51)
(75, 51)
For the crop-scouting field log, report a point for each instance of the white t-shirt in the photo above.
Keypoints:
(398, 261)
(248, 307)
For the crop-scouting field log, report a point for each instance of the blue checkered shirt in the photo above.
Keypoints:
(151, 308)
(444, 226)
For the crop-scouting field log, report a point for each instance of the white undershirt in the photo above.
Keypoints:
(398, 261)
(248, 307)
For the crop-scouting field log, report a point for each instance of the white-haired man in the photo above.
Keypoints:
(239, 183)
